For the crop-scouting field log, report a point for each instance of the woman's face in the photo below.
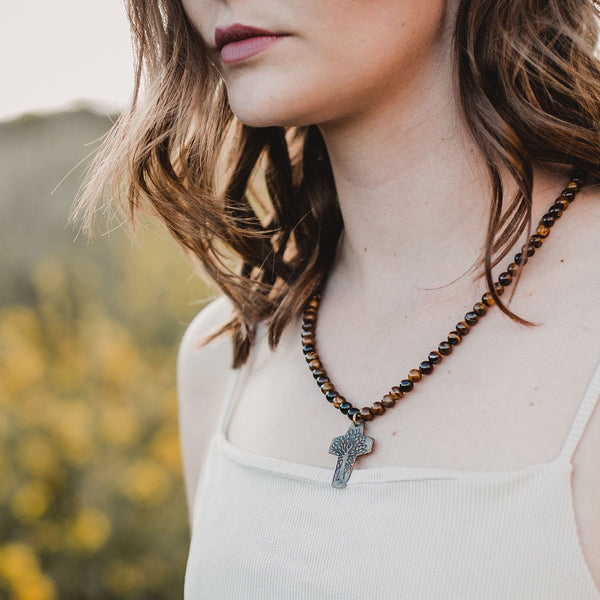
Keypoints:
(317, 61)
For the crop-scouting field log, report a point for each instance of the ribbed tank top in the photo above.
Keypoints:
(270, 529)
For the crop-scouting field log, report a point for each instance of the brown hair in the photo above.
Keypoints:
(258, 207)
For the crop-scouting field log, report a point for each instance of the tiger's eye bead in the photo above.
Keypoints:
(426, 367)
(310, 356)
(310, 316)
(317, 373)
(434, 357)
(488, 299)
(555, 211)
(444, 348)
(512, 269)
(315, 364)
(498, 288)
(308, 340)
(312, 303)
(345, 407)
(454, 338)
(519, 258)
(327, 387)
(406, 385)
(388, 401)
(377, 408)
(529, 250)
(504, 279)
(479, 308)
(332, 395)
(462, 328)
(336, 403)
(471, 318)
(308, 348)
(414, 375)
(542, 230)
(351, 412)
(569, 195)
(321, 379)
(563, 203)
(548, 220)
(573, 185)
(536, 240)
(366, 413)
(396, 392)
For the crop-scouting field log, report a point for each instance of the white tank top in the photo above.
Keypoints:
(269, 529)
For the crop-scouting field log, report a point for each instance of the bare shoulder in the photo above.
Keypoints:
(202, 374)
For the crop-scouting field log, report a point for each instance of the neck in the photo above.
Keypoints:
(413, 190)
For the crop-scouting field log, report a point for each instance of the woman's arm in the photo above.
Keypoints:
(202, 374)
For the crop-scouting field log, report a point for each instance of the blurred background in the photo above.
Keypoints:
(91, 496)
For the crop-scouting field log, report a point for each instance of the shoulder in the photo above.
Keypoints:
(202, 374)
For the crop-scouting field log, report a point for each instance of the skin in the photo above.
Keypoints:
(377, 79)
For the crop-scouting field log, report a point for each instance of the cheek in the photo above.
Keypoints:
(201, 13)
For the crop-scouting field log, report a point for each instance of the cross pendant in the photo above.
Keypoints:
(348, 448)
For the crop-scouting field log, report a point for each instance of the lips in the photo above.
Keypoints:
(238, 42)
(237, 33)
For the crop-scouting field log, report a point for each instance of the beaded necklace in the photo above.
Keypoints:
(354, 443)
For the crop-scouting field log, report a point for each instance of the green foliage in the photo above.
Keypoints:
(91, 496)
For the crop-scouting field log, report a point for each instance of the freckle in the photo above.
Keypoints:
(365, 249)
(562, 260)
(535, 389)
(393, 433)
(531, 404)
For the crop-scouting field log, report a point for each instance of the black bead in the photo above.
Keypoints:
(426, 367)
(454, 338)
(568, 195)
(308, 348)
(322, 379)
(471, 318)
(530, 249)
(462, 328)
(536, 241)
(548, 220)
(318, 373)
(406, 385)
(518, 258)
(345, 407)
(505, 278)
(434, 357)
(351, 412)
(555, 211)
(331, 396)
(445, 348)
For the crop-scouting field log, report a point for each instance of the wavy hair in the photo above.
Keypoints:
(257, 206)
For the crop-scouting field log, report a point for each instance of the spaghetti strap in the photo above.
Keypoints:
(582, 417)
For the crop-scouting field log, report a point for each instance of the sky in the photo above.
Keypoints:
(58, 53)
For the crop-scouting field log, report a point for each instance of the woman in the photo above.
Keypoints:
(394, 156)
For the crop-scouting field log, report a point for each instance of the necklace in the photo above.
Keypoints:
(354, 442)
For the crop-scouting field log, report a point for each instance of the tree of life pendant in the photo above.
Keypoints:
(348, 448)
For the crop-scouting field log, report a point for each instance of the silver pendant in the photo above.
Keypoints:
(348, 448)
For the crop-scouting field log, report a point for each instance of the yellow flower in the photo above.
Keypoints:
(31, 501)
(165, 447)
(146, 482)
(20, 568)
(39, 587)
(74, 430)
(119, 424)
(123, 578)
(21, 357)
(37, 455)
(89, 530)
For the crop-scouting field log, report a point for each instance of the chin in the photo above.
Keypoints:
(261, 106)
